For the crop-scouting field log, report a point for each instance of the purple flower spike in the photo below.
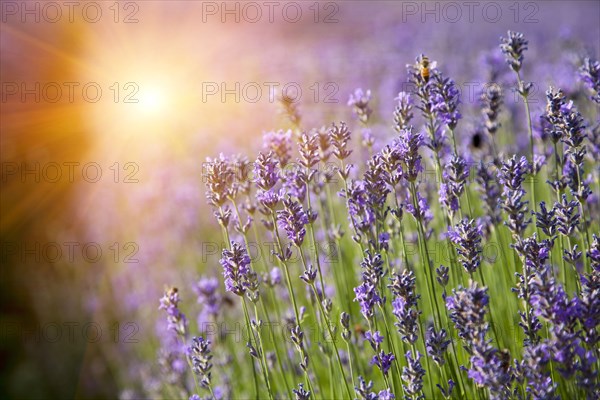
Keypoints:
(359, 101)
(176, 319)
(236, 268)
(293, 219)
(467, 238)
(413, 375)
(383, 360)
(513, 48)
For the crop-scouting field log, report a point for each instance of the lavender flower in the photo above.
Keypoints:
(372, 268)
(421, 212)
(293, 219)
(455, 175)
(367, 297)
(492, 103)
(413, 376)
(345, 322)
(513, 48)
(294, 183)
(408, 320)
(301, 393)
(567, 217)
(200, 355)
(176, 319)
(236, 268)
(594, 253)
(408, 145)
(359, 101)
(279, 143)
(467, 238)
(219, 181)
(467, 311)
(289, 108)
(437, 344)
(405, 305)
(546, 220)
(297, 337)
(309, 150)
(363, 390)
(513, 172)
(535, 360)
(209, 297)
(490, 193)
(339, 137)
(446, 98)
(442, 275)
(386, 394)
(590, 75)
(375, 339)
(491, 368)
(403, 111)
(266, 171)
(384, 361)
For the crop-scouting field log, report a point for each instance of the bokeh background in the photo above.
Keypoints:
(82, 324)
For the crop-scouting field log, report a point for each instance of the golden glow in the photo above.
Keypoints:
(152, 101)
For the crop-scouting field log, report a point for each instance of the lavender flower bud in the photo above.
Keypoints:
(372, 268)
(293, 220)
(363, 390)
(590, 75)
(339, 137)
(513, 171)
(266, 171)
(176, 319)
(567, 217)
(219, 180)
(490, 192)
(289, 108)
(442, 275)
(386, 394)
(384, 361)
(209, 297)
(199, 352)
(309, 150)
(413, 375)
(301, 393)
(403, 112)
(359, 101)
(236, 267)
(345, 322)
(594, 253)
(375, 339)
(467, 309)
(437, 344)
(513, 48)
(492, 103)
(446, 98)
(408, 145)
(309, 275)
(279, 143)
(367, 297)
(467, 238)
(545, 220)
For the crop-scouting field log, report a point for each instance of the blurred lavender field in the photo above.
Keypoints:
(152, 221)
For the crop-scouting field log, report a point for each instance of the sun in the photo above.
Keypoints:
(152, 100)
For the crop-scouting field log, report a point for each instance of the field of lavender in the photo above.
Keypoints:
(417, 218)
(419, 267)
